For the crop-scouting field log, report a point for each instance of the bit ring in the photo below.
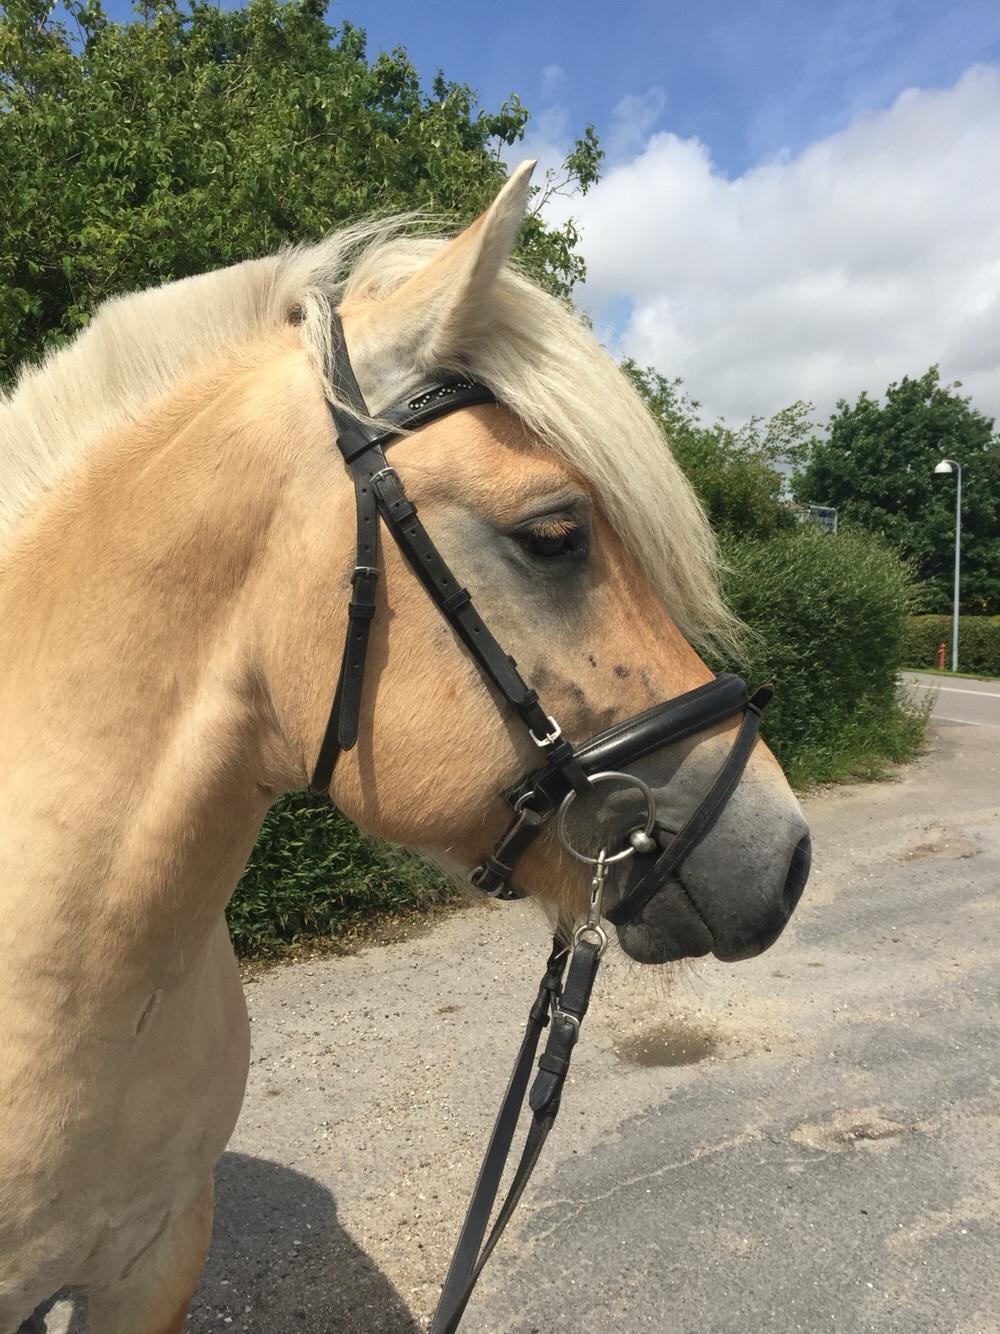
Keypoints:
(629, 850)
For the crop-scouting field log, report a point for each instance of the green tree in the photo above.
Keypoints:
(876, 465)
(195, 137)
(733, 471)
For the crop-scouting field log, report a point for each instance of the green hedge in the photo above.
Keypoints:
(827, 619)
(313, 875)
(978, 643)
(827, 616)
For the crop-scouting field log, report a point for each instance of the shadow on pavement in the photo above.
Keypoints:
(280, 1262)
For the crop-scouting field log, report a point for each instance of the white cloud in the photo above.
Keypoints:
(553, 81)
(867, 256)
(631, 122)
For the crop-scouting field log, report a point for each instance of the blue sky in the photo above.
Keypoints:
(750, 79)
(800, 199)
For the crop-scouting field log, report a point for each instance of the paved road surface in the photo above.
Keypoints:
(958, 699)
(809, 1141)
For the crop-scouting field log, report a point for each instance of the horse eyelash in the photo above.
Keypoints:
(553, 528)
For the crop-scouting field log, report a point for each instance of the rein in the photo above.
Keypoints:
(548, 792)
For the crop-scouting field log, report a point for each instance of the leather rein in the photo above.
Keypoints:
(564, 773)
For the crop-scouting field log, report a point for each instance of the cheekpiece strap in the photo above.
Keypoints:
(379, 492)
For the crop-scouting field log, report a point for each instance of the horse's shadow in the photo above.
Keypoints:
(281, 1263)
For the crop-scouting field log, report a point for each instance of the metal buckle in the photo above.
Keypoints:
(371, 570)
(550, 738)
(565, 1017)
(382, 472)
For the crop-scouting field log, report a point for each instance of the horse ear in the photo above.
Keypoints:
(434, 314)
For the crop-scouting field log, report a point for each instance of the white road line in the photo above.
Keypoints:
(954, 690)
(966, 722)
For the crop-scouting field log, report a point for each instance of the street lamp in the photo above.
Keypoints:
(949, 465)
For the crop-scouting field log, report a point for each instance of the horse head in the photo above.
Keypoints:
(557, 505)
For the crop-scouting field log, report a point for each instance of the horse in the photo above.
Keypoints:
(176, 551)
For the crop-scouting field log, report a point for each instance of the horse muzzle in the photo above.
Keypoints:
(700, 910)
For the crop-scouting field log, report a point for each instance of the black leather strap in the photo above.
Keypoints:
(568, 1010)
(358, 442)
(493, 876)
(645, 733)
(456, 605)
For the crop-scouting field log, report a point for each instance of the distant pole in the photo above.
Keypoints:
(958, 567)
(950, 465)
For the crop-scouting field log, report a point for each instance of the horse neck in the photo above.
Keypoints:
(136, 613)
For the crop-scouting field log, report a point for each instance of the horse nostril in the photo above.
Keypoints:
(798, 874)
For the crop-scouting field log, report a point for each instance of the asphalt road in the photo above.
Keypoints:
(809, 1141)
(957, 699)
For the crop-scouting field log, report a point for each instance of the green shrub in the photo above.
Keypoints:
(827, 617)
(312, 874)
(978, 643)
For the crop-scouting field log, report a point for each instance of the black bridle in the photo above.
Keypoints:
(566, 772)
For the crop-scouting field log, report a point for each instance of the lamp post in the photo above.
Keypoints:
(949, 465)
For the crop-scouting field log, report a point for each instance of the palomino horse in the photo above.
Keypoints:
(178, 536)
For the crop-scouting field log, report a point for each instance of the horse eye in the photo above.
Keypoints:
(554, 541)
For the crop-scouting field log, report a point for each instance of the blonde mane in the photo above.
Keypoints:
(537, 356)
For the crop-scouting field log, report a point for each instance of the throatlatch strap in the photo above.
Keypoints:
(568, 1011)
(357, 440)
(342, 725)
